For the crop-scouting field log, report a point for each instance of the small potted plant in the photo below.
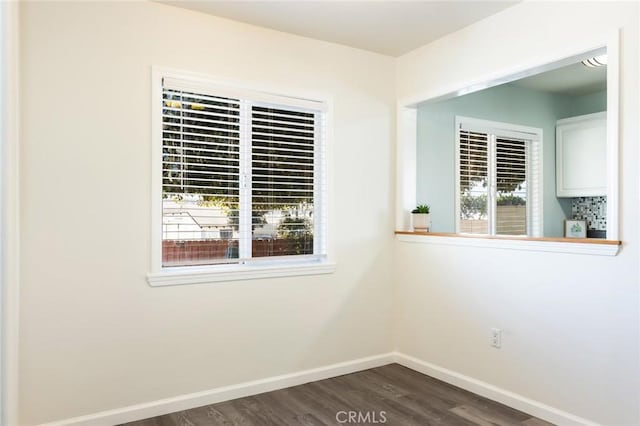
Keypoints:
(421, 218)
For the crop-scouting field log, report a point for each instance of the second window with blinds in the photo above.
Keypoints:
(498, 178)
(243, 179)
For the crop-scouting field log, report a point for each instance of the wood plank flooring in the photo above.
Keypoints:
(391, 395)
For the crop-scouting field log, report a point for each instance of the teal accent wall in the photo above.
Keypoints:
(587, 104)
(507, 103)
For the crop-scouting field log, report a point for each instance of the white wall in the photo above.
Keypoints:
(570, 322)
(94, 335)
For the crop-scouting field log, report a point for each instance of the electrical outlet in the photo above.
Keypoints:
(496, 337)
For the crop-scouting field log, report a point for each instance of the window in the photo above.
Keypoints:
(498, 181)
(243, 182)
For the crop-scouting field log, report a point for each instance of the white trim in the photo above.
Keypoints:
(515, 244)
(581, 118)
(328, 198)
(156, 169)
(245, 243)
(195, 275)
(495, 393)
(456, 196)
(200, 83)
(495, 129)
(406, 128)
(10, 211)
(492, 198)
(160, 276)
(407, 119)
(613, 144)
(500, 128)
(225, 393)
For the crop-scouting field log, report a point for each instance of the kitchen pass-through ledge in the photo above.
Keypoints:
(592, 246)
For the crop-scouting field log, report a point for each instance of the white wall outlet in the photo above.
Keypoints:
(496, 337)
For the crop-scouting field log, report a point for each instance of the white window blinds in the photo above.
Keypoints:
(498, 179)
(473, 182)
(243, 179)
(511, 183)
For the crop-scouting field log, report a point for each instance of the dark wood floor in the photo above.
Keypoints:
(392, 395)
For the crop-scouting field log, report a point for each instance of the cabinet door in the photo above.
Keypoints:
(581, 156)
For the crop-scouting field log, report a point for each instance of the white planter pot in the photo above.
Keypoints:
(421, 221)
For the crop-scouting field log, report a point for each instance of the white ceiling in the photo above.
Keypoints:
(391, 27)
(575, 79)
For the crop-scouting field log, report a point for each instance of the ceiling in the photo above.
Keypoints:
(575, 80)
(391, 27)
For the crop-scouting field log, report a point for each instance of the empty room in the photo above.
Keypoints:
(319, 213)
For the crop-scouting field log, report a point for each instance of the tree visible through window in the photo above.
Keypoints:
(495, 173)
(241, 179)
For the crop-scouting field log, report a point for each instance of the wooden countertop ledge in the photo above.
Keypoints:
(504, 237)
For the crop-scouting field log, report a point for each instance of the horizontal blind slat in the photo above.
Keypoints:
(201, 157)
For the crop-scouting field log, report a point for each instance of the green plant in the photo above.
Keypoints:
(299, 232)
(510, 200)
(421, 208)
(294, 227)
(473, 206)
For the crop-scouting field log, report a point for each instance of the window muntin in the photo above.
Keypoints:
(498, 183)
(243, 179)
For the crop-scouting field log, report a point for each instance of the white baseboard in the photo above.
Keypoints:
(225, 393)
(519, 402)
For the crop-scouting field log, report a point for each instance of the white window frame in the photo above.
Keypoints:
(494, 130)
(263, 268)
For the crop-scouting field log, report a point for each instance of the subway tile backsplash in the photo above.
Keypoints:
(591, 209)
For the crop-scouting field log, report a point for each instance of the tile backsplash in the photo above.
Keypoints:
(591, 209)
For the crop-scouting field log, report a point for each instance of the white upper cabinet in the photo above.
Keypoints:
(581, 156)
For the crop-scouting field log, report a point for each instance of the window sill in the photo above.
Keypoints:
(558, 245)
(209, 274)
